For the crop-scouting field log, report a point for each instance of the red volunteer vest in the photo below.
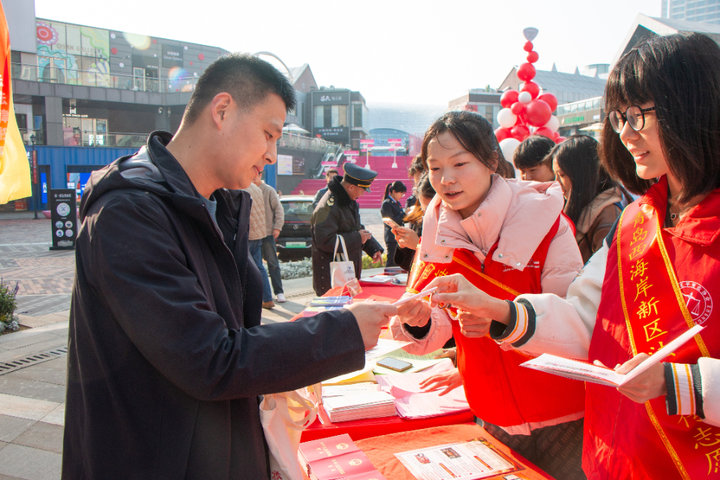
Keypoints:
(656, 286)
(497, 388)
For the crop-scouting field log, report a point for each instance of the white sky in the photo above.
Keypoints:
(392, 51)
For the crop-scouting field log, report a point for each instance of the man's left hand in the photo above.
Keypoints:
(377, 256)
(276, 233)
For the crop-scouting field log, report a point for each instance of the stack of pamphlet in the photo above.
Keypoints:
(357, 401)
(336, 458)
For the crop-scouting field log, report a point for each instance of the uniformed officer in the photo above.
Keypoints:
(338, 213)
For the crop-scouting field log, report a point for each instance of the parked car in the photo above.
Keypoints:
(295, 239)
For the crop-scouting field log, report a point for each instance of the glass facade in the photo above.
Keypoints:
(707, 11)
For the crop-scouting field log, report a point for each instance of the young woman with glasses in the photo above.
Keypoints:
(657, 275)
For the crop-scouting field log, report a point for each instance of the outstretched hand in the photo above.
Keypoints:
(445, 382)
(472, 303)
(371, 317)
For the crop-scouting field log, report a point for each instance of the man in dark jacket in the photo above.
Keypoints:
(166, 354)
(338, 213)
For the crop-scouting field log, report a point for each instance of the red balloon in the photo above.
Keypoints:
(508, 98)
(528, 47)
(518, 108)
(502, 133)
(533, 57)
(545, 132)
(521, 132)
(532, 88)
(526, 72)
(538, 114)
(550, 99)
(560, 139)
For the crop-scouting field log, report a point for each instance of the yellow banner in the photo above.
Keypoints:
(14, 166)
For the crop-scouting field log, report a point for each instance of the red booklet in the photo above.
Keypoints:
(336, 458)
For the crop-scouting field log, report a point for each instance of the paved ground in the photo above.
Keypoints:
(32, 361)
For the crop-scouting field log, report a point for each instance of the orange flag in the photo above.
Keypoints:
(14, 167)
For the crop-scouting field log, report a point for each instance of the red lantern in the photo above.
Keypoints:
(528, 47)
(508, 98)
(521, 132)
(526, 72)
(532, 88)
(533, 57)
(502, 133)
(545, 132)
(538, 114)
(550, 99)
(518, 108)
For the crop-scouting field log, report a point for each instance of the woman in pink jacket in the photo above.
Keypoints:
(509, 237)
(657, 274)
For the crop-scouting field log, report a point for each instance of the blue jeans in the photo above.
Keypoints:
(269, 253)
(256, 253)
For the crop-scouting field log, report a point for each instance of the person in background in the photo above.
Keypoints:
(392, 208)
(274, 220)
(167, 357)
(408, 238)
(329, 175)
(415, 171)
(531, 159)
(593, 200)
(508, 236)
(656, 275)
(257, 232)
(338, 213)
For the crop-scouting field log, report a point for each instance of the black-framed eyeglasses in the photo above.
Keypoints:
(634, 116)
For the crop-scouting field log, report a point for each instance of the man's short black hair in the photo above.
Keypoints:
(248, 79)
(532, 151)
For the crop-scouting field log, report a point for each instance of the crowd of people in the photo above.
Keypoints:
(601, 251)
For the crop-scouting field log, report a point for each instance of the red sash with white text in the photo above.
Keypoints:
(624, 439)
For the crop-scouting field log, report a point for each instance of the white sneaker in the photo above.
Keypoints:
(281, 298)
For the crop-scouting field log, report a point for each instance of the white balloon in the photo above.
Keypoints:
(553, 124)
(524, 97)
(506, 118)
(508, 147)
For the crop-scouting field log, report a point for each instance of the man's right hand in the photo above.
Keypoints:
(365, 235)
(371, 317)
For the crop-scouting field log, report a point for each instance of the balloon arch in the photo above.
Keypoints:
(528, 111)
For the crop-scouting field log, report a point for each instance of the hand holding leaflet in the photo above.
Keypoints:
(604, 376)
(424, 293)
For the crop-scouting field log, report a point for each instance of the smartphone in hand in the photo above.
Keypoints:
(390, 222)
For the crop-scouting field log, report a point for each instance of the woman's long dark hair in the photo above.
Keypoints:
(578, 158)
(680, 75)
(396, 186)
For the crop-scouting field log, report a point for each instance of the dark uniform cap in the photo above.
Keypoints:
(362, 177)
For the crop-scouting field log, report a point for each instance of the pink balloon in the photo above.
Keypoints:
(538, 114)
(526, 72)
(550, 99)
(528, 46)
(508, 98)
(545, 132)
(502, 133)
(533, 57)
(532, 88)
(518, 108)
(521, 132)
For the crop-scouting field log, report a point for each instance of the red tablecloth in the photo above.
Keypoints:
(381, 450)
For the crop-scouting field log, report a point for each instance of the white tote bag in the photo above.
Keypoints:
(284, 416)
(343, 271)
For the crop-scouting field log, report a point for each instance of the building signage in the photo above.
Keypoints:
(334, 98)
(172, 56)
(63, 218)
(334, 134)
